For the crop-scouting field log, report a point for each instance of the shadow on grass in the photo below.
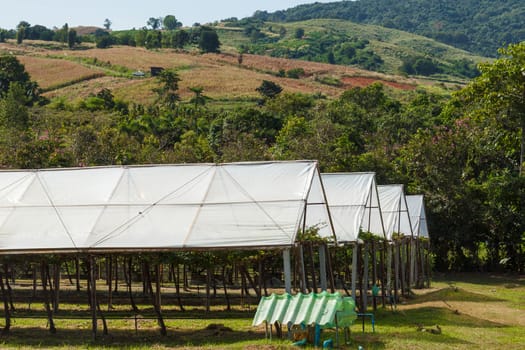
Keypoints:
(500, 280)
(125, 338)
(429, 316)
(416, 326)
(430, 341)
(454, 294)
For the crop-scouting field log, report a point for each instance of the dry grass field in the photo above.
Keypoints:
(48, 72)
(69, 73)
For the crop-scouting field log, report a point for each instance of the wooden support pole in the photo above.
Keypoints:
(389, 268)
(312, 266)
(364, 289)
(322, 267)
(7, 310)
(382, 266)
(374, 274)
(330, 269)
(408, 257)
(208, 286)
(396, 269)
(414, 264)
(287, 266)
(224, 281)
(402, 262)
(92, 290)
(56, 286)
(303, 286)
(77, 272)
(109, 280)
(44, 277)
(426, 251)
(128, 276)
(154, 298)
(354, 270)
(9, 289)
(35, 279)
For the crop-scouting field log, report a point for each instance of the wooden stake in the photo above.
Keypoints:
(7, 311)
(92, 291)
(44, 275)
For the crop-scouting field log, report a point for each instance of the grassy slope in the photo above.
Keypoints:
(474, 312)
(392, 45)
(73, 74)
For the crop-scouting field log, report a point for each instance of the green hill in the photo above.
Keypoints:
(479, 26)
(344, 42)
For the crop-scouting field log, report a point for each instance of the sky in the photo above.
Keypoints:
(126, 14)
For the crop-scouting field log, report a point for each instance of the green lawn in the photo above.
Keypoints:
(474, 311)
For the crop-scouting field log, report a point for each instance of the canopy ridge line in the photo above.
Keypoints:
(109, 198)
(12, 184)
(407, 213)
(374, 188)
(245, 192)
(16, 182)
(57, 212)
(128, 223)
(201, 205)
(327, 206)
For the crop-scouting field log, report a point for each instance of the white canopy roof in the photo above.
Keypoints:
(418, 218)
(351, 197)
(194, 206)
(394, 211)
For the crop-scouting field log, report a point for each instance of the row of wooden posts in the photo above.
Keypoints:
(375, 272)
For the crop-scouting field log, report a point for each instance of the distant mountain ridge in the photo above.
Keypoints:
(478, 26)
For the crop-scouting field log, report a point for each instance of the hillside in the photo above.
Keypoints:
(479, 26)
(75, 74)
(343, 42)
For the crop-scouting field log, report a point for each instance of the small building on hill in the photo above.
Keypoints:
(155, 71)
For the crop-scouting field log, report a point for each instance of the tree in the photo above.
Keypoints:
(199, 99)
(62, 34)
(11, 70)
(171, 23)
(13, 110)
(209, 40)
(154, 22)
(269, 89)
(20, 35)
(107, 24)
(498, 95)
(154, 39)
(299, 33)
(71, 38)
(167, 93)
(104, 40)
(180, 38)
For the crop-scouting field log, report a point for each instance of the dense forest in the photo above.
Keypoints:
(479, 26)
(464, 153)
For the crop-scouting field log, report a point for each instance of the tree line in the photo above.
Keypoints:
(160, 32)
(464, 153)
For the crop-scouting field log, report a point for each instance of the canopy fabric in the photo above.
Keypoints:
(258, 204)
(350, 197)
(394, 211)
(324, 309)
(418, 218)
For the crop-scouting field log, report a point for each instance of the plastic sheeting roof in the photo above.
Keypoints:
(394, 211)
(418, 218)
(257, 204)
(307, 309)
(351, 197)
